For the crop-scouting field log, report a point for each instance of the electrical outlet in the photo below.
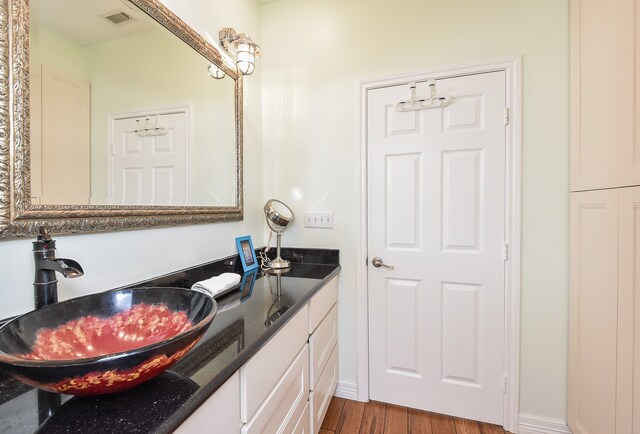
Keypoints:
(318, 219)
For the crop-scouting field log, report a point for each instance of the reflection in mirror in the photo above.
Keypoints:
(123, 112)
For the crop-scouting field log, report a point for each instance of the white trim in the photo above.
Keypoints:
(538, 425)
(346, 390)
(185, 108)
(512, 68)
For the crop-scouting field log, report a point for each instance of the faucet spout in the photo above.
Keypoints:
(45, 283)
(67, 267)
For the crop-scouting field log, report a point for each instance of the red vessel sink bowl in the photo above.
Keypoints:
(106, 342)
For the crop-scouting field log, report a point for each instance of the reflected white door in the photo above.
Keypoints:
(61, 140)
(436, 206)
(149, 170)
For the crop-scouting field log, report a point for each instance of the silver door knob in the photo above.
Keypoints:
(377, 262)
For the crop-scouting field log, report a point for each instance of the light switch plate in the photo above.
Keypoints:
(318, 219)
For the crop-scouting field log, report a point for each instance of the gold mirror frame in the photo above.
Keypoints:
(18, 216)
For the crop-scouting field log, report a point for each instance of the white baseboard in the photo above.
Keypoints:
(346, 390)
(538, 425)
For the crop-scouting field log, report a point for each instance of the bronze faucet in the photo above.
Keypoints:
(45, 284)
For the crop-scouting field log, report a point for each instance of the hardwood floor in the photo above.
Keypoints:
(352, 417)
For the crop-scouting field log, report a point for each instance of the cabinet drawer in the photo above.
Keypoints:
(304, 423)
(219, 414)
(320, 398)
(281, 410)
(321, 345)
(262, 371)
(321, 303)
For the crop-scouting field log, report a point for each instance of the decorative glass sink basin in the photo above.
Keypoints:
(106, 342)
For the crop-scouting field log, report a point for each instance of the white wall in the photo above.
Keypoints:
(116, 258)
(315, 53)
(49, 48)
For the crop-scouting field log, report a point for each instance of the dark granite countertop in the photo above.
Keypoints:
(248, 317)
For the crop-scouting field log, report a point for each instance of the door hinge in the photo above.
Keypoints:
(366, 261)
(505, 251)
(113, 150)
(504, 384)
(506, 115)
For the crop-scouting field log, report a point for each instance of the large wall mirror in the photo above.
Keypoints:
(110, 120)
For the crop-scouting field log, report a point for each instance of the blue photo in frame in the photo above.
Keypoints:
(246, 252)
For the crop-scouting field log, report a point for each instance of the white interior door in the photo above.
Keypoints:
(436, 212)
(153, 169)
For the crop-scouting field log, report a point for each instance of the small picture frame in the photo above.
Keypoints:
(246, 286)
(246, 252)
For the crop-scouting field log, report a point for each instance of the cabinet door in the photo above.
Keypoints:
(220, 414)
(321, 344)
(261, 373)
(629, 313)
(322, 302)
(593, 312)
(604, 149)
(281, 410)
(320, 398)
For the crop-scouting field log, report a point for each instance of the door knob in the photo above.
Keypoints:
(377, 262)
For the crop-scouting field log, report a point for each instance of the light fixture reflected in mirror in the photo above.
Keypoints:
(278, 216)
(215, 71)
(245, 49)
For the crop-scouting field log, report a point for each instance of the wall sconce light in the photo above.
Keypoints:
(245, 49)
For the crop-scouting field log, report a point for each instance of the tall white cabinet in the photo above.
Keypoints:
(604, 331)
(604, 351)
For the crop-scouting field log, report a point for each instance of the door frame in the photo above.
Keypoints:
(512, 66)
(185, 108)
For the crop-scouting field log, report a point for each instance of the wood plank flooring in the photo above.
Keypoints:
(352, 417)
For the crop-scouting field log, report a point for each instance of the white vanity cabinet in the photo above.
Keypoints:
(272, 400)
(287, 386)
(323, 350)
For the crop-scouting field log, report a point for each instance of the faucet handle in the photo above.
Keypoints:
(44, 234)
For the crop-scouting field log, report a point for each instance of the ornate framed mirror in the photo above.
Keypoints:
(100, 160)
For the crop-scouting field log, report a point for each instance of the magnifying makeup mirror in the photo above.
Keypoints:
(278, 216)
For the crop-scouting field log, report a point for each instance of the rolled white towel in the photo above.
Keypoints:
(217, 284)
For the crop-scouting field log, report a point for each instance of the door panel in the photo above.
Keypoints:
(460, 326)
(604, 145)
(436, 192)
(461, 199)
(403, 329)
(593, 312)
(403, 188)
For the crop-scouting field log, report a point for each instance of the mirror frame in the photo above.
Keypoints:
(18, 216)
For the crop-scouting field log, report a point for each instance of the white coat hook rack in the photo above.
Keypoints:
(415, 103)
(150, 128)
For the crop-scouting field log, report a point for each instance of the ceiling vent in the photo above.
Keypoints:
(117, 17)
